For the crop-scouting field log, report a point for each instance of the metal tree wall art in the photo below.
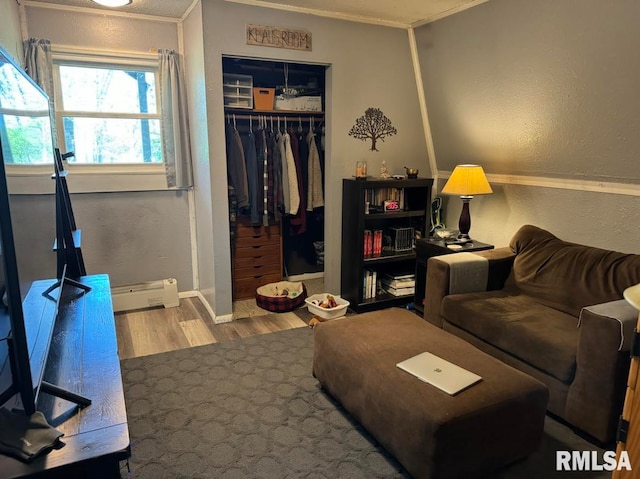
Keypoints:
(374, 126)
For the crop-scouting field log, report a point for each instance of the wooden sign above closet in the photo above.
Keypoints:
(278, 37)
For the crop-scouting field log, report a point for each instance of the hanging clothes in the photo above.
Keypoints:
(251, 160)
(315, 197)
(303, 153)
(286, 197)
(236, 168)
(294, 195)
(265, 178)
(277, 206)
(299, 221)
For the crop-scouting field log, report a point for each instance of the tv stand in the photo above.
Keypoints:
(83, 357)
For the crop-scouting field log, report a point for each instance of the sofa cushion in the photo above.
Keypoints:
(568, 276)
(543, 337)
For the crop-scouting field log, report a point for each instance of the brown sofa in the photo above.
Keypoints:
(552, 309)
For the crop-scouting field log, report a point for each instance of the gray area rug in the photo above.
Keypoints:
(251, 408)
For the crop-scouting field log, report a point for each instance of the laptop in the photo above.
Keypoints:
(439, 373)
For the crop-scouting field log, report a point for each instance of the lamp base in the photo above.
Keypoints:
(464, 224)
(462, 239)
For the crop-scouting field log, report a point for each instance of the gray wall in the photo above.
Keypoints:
(132, 236)
(542, 89)
(197, 90)
(369, 66)
(10, 36)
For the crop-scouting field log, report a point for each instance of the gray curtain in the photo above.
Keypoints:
(39, 66)
(176, 147)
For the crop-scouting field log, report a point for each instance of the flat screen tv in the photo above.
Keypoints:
(25, 138)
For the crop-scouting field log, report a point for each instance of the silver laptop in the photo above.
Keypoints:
(439, 373)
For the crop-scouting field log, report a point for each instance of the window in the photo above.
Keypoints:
(108, 113)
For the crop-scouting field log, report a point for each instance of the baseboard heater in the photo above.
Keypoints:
(146, 295)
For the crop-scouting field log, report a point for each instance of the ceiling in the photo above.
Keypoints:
(397, 13)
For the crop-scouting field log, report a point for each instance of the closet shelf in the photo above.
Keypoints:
(242, 114)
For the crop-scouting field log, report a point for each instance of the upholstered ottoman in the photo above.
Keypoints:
(431, 433)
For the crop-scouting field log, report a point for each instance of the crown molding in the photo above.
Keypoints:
(323, 13)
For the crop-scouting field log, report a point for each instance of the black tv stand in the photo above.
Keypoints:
(83, 357)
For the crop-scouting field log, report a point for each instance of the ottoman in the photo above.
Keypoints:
(432, 434)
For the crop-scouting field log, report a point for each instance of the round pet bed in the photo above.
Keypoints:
(281, 297)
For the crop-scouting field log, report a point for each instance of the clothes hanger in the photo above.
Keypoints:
(250, 123)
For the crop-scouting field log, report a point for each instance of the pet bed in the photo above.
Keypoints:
(281, 297)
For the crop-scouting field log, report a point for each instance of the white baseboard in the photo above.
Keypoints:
(223, 318)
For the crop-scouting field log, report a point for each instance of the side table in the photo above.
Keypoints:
(425, 249)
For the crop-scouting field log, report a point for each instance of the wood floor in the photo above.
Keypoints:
(158, 330)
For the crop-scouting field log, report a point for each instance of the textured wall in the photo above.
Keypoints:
(100, 31)
(194, 69)
(10, 36)
(116, 236)
(544, 89)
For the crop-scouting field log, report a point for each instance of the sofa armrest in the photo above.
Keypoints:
(602, 366)
(438, 278)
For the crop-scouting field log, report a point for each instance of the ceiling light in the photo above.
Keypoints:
(113, 3)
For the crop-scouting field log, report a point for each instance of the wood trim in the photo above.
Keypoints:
(422, 101)
(611, 187)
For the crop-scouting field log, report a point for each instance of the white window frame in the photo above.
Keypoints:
(83, 178)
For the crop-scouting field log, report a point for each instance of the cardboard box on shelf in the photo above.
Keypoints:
(263, 98)
(300, 103)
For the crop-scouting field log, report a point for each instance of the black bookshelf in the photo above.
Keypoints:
(414, 213)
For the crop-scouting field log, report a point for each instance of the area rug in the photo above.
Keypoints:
(251, 408)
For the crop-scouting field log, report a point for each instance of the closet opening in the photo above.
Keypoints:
(275, 125)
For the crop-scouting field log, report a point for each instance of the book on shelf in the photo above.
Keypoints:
(369, 284)
(368, 243)
(377, 243)
(398, 284)
(399, 291)
(377, 196)
(400, 276)
(372, 243)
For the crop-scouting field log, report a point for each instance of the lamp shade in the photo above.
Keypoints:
(632, 295)
(113, 3)
(467, 180)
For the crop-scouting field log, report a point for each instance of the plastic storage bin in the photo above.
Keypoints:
(314, 300)
(238, 91)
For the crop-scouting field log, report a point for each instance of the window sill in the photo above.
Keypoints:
(36, 180)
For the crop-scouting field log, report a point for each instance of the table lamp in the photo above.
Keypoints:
(466, 181)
